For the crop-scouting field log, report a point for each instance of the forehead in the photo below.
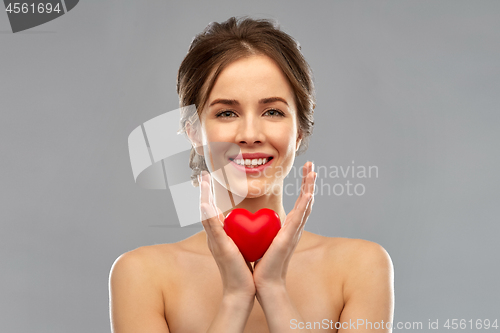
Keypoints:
(251, 78)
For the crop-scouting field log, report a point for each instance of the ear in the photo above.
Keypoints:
(299, 140)
(193, 132)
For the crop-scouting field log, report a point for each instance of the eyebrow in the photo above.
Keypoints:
(235, 102)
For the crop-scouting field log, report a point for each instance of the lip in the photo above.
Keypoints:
(254, 169)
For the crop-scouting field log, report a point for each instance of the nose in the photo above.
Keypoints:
(250, 132)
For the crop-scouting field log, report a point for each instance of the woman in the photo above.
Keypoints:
(253, 90)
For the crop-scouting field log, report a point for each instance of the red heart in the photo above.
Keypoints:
(252, 233)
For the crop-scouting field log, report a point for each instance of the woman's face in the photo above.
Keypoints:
(252, 108)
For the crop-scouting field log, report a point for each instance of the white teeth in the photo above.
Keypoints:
(251, 162)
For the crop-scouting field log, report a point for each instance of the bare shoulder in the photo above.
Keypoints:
(358, 251)
(366, 266)
(145, 256)
(136, 296)
(351, 256)
(343, 246)
(159, 260)
(137, 282)
(151, 257)
(138, 264)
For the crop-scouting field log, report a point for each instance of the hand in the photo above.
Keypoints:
(269, 272)
(236, 272)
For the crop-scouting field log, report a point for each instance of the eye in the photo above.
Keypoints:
(275, 113)
(224, 114)
(231, 114)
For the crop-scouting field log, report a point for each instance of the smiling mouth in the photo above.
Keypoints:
(252, 163)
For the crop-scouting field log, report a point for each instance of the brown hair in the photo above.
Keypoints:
(218, 45)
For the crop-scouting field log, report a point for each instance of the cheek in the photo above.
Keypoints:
(214, 132)
(284, 139)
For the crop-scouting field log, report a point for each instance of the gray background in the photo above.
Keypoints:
(409, 86)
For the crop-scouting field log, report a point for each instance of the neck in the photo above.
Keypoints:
(273, 200)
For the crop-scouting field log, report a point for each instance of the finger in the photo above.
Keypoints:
(203, 200)
(294, 219)
(207, 214)
(209, 179)
(208, 231)
(217, 212)
(207, 194)
(303, 205)
(305, 172)
(296, 228)
(306, 169)
(310, 179)
(310, 203)
(213, 215)
(311, 187)
(204, 193)
(311, 182)
(301, 201)
(216, 236)
(207, 225)
(307, 213)
(214, 228)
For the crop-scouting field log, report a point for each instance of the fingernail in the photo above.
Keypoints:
(312, 168)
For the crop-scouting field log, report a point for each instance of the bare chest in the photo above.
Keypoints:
(193, 294)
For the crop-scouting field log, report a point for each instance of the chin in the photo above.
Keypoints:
(250, 189)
